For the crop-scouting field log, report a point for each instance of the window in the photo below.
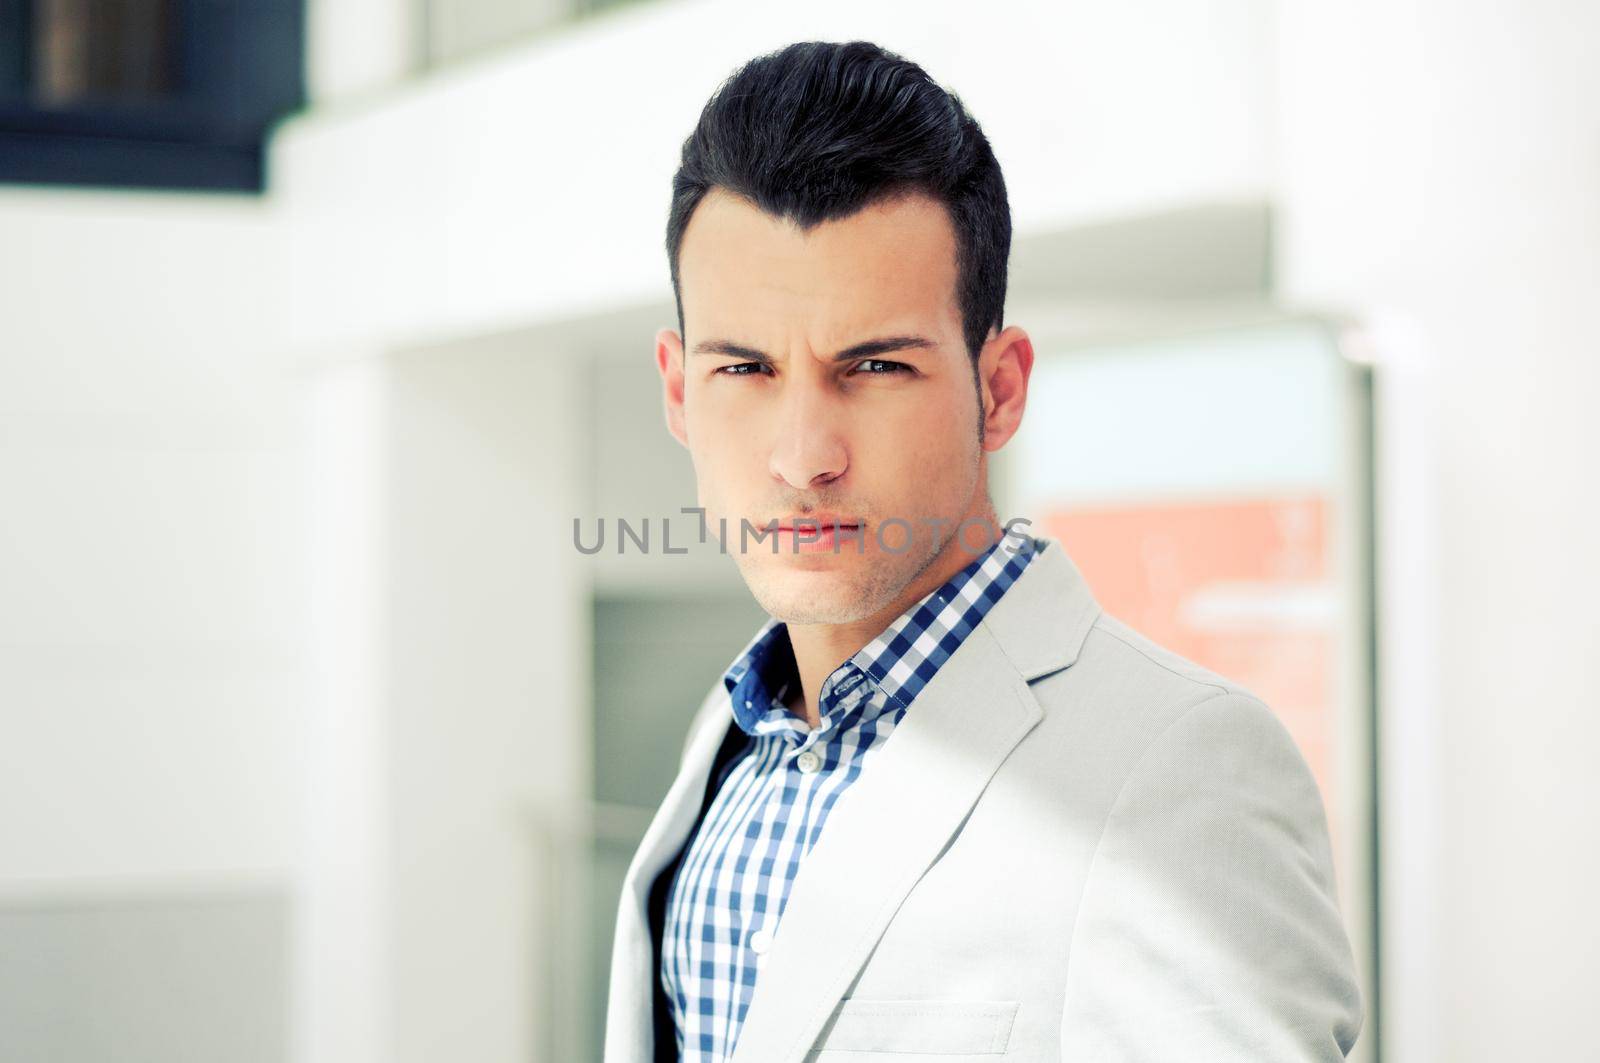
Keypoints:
(146, 93)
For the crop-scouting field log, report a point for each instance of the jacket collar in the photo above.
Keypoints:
(1042, 621)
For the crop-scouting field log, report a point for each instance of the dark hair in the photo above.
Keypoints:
(817, 130)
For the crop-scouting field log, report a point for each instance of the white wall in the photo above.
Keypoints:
(150, 647)
(462, 29)
(1438, 173)
(359, 49)
(495, 194)
(150, 625)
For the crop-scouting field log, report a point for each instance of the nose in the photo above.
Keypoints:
(809, 450)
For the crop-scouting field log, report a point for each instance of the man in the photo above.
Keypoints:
(941, 804)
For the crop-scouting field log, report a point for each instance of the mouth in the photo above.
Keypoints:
(820, 532)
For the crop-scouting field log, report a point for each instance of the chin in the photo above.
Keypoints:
(814, 596)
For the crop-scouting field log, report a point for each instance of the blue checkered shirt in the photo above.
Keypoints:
(773, 800)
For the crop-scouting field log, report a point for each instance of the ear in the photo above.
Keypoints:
(1003, 368)
(669, 363)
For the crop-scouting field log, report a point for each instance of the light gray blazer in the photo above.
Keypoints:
(1075, 846)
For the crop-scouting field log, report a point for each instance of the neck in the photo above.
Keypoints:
(821, 648)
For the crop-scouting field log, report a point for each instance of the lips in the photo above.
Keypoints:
(816, 522)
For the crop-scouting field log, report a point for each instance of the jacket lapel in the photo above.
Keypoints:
(894, 821)
(1042, 620)
(881, 836)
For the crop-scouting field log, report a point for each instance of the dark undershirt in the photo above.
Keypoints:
(735, 742)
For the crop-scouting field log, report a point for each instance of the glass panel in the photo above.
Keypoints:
(655, 658)
(89, 51)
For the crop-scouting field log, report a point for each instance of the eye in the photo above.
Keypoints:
(892, 367)
(741, 369)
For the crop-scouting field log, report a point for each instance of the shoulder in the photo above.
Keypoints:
(1184, 701)
(1115, 652)
(1152, 725)
(1128, 690)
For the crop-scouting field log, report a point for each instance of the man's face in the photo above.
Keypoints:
(787, 417)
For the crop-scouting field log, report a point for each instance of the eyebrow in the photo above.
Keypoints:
(869, 349)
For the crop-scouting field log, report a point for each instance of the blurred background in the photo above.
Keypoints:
(322, 321)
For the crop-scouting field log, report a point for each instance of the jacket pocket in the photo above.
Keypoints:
(932, 1027)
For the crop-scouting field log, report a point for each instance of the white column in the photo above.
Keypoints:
(1439, 169)
(451, 708)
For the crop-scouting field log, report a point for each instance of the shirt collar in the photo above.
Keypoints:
(899, 662)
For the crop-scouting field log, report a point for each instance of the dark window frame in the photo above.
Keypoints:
(238, 68)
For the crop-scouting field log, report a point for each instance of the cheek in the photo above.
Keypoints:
(728, 458)
(935, 428)
(711, 423)
(923, 450)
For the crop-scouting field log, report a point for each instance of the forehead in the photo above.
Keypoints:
(891, 261)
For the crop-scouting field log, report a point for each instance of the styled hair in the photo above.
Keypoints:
(816, 131)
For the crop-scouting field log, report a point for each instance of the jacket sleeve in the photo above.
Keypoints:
(1209, 928)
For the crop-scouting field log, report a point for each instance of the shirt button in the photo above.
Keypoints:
(760, 941)
(808, 761)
